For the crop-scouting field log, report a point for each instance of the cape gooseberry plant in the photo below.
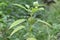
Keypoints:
(21, 24)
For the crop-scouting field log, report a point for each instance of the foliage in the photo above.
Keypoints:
(29, 20)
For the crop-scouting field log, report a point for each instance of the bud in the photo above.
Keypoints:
(36, 3)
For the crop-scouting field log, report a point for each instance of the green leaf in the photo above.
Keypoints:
(41, 8)
(31, 38)
(21, 6)
(27, 6)
(34, 10)
(3, 3)
(44, 22)
(17, 22)
(17, 29)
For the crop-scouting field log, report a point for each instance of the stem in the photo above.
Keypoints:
(30, 28)
(31, 24)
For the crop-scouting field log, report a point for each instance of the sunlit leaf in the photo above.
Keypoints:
(17, 29)
(27, 6)
(41, 8)
(17, 22)
(21, 6)
(44, 22)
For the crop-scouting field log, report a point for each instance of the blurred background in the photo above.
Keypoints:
(10, 13)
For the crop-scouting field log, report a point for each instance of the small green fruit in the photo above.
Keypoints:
(31, 20)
